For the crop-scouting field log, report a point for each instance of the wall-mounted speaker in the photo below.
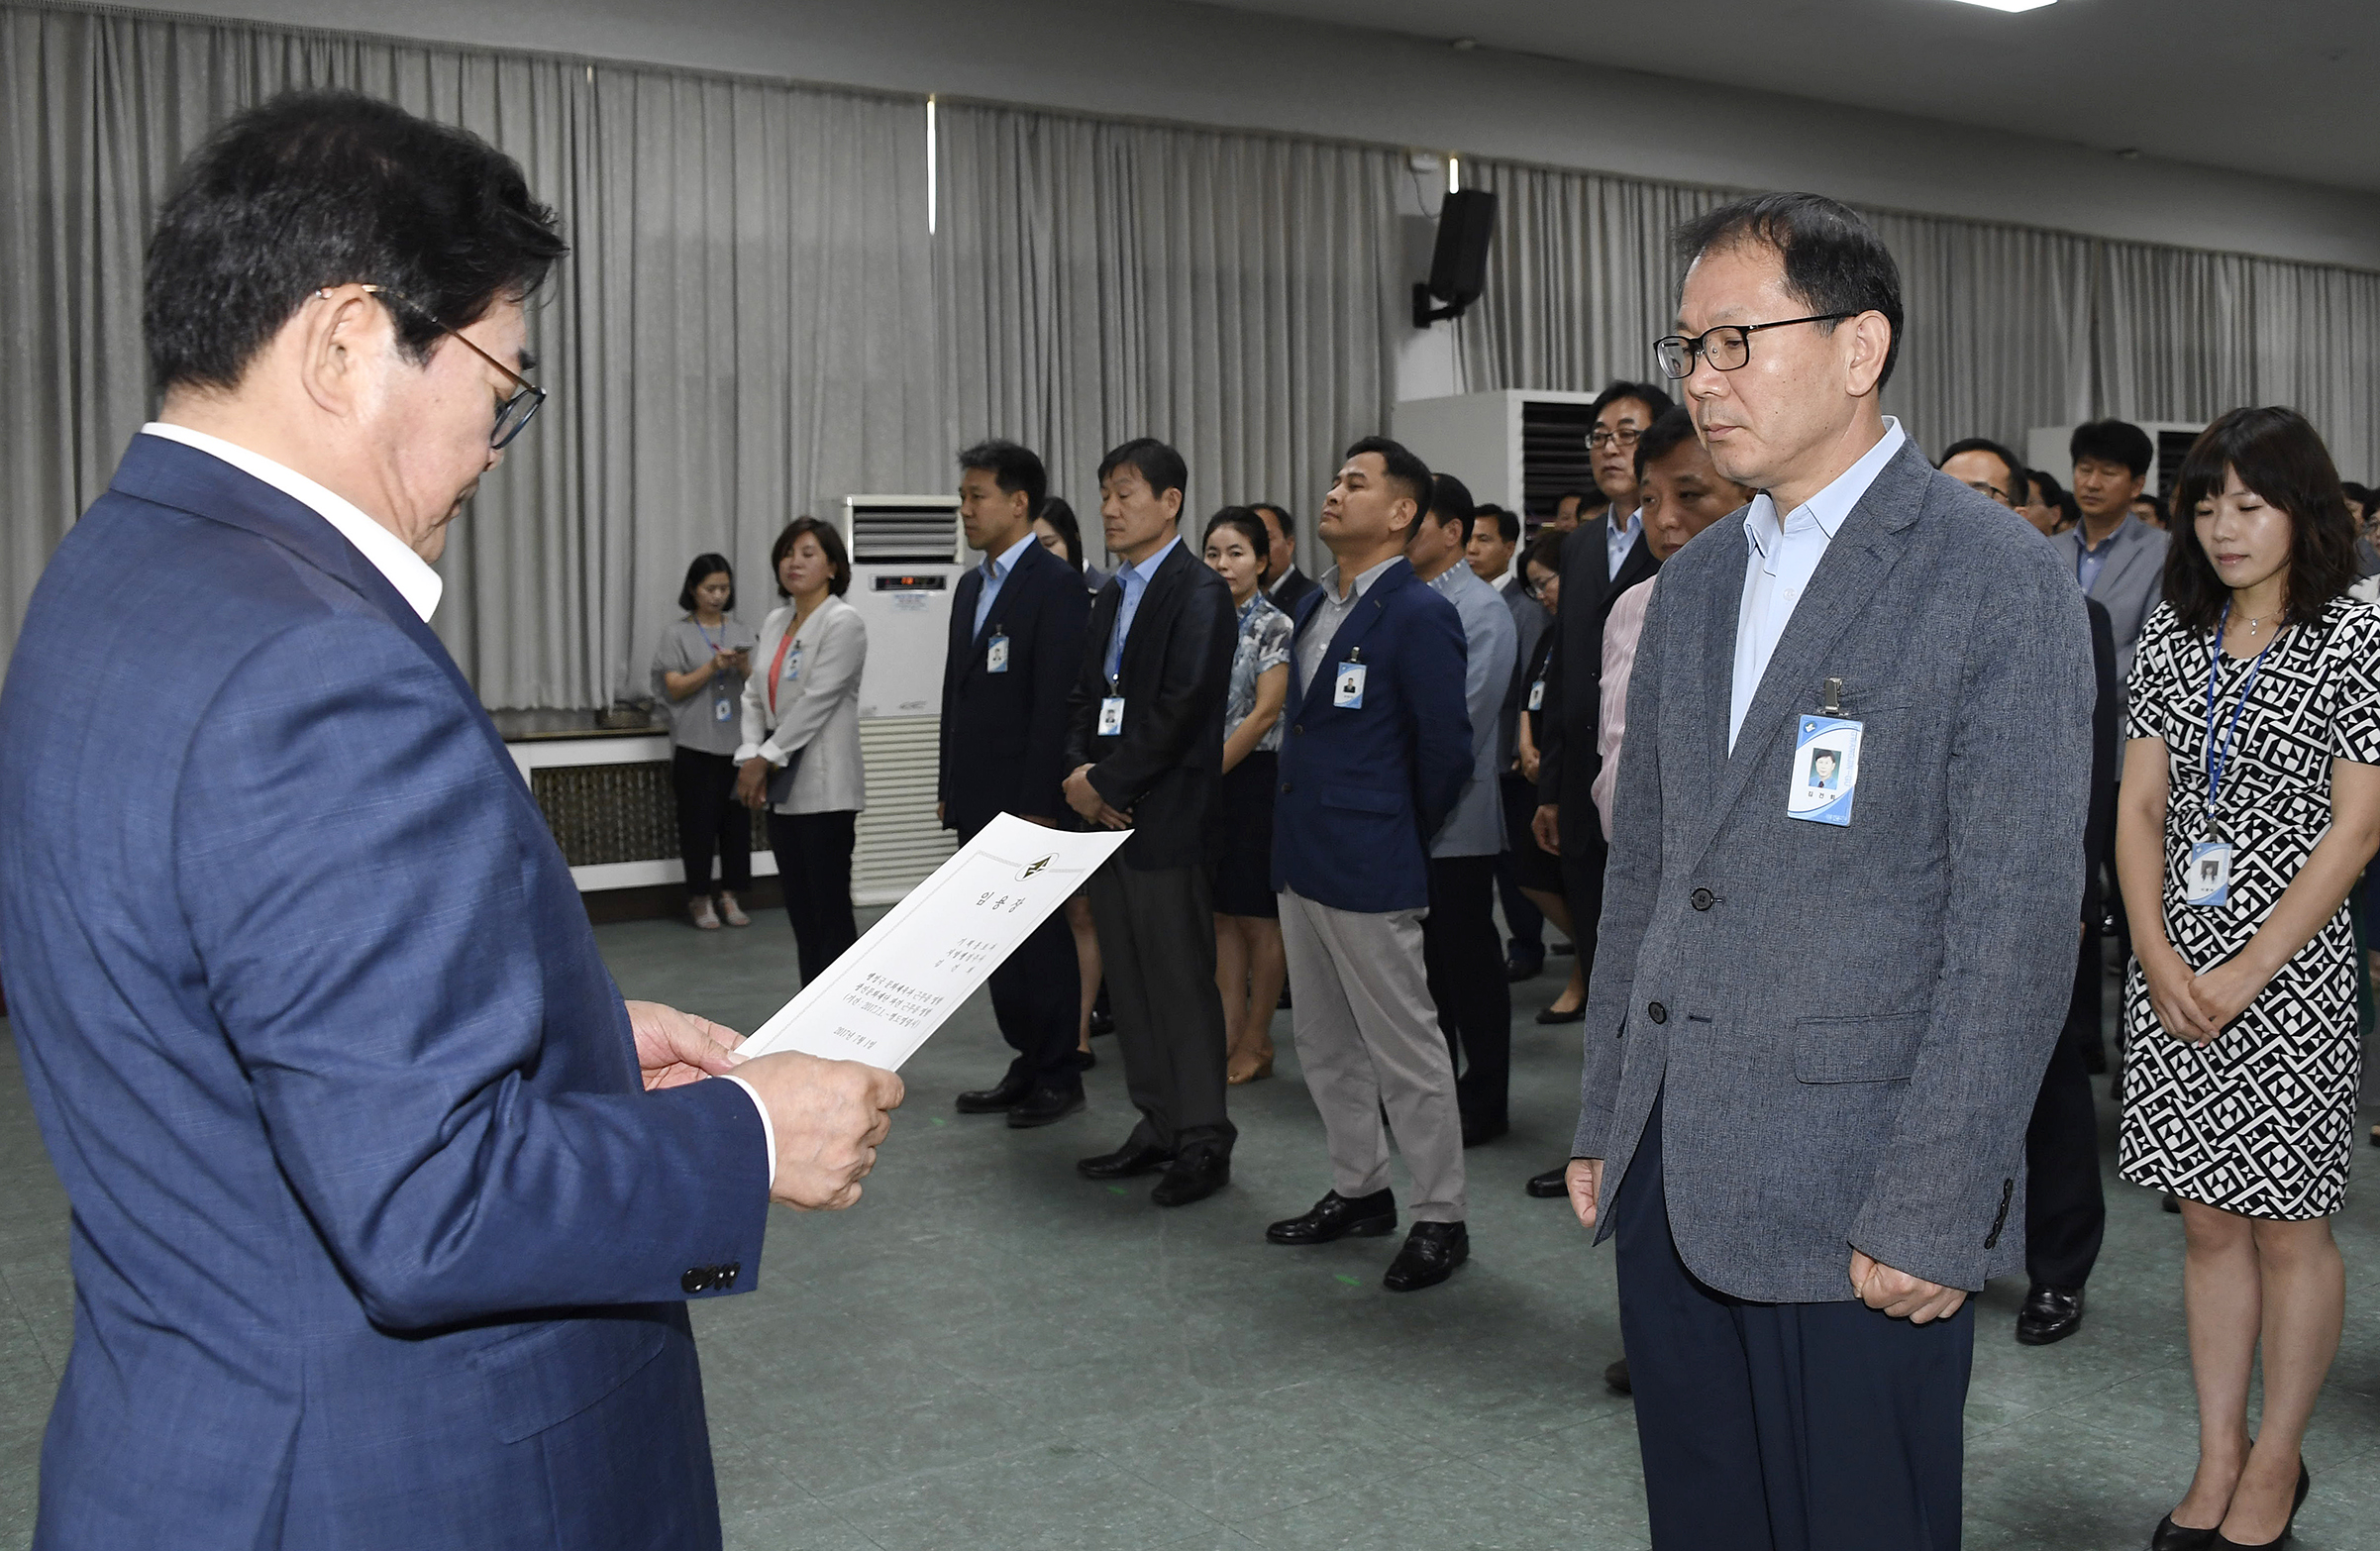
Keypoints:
(1458, 270)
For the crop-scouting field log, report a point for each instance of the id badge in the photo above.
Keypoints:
(722, 710)
(2206, 876)
(996, 656)
(1825, 769)
(1111, 716)
(793, 666)
(1347, 690)
(1537, 694)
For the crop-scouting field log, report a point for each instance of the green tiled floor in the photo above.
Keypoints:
(990, 1352)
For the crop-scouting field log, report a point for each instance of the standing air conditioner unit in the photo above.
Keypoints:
(907, 552)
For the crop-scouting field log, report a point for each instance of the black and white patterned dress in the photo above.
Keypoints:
(2260, 1119)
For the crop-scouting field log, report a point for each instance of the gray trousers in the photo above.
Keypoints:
(1367, 1039)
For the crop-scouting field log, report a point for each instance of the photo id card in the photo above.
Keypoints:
(1825, 769)
(1537, 694)
(995, 655)
(792, 667)
(1347, 690)
(722, 709)
(1111, 716)
(2206, 875)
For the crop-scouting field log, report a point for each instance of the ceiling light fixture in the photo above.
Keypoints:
(2010, 5)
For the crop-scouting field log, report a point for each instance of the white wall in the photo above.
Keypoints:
(1170, 60)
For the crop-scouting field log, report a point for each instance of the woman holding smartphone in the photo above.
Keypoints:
(2251, 804)
(698, 672)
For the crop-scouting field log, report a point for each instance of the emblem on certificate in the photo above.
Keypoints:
(1825, 769)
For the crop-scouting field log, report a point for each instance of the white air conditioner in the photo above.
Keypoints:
(907, 554)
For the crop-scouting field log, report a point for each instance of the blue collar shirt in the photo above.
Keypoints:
(995, 573)
(2089, 562)
(1782, 556)
(1134, 580)
(1620, 536)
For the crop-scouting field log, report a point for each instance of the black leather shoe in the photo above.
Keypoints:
(1479, 1132)
(1084, 1060)
(1007, 1094)
(1335, 1216)
(1102, 1022)
(1127, 1161)
(1551, 1186)
(1577, 1014)
(2221, 1543)
(1430, 1254)
(1518, 968)
(2050, 1315)
(2170, 1536)
(1616, 1377)
(1045, 1104)
(1194, 1176)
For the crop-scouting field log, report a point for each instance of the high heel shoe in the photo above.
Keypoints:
(2171, 1536)
(2305, 1485)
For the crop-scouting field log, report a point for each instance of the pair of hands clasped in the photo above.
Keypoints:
(2193, 1006)
(1085, 799)
(1879, 1285)
(829, 1115)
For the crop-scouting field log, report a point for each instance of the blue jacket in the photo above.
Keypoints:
(1363, 791)
(1003, 734)
(377, 1240)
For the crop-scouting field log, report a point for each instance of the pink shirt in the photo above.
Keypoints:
(1620, 630)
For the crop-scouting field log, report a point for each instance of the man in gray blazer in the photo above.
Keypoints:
(2118, 560)
(1821, 1009)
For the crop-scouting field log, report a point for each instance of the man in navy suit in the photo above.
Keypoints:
(1016, 643)
(1377, 752)
(384, 1204)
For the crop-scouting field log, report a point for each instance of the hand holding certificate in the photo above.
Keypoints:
(897, 984)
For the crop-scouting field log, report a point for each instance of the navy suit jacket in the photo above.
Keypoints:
(1362, 790)
(377, 1240)
(1003, 734)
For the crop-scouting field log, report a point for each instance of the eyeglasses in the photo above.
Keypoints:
(1987, 488)
(1623, 439)
(1727, 348)
(513, 413)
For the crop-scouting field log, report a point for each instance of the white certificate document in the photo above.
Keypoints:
(894, 986)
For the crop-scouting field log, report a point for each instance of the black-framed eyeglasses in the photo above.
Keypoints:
(513, 413)
(1623, 438)
(1727, 347)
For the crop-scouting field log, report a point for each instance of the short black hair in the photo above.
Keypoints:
(321, 188)
(2070, 510)
(1281, 517)
(1408, 473)
(2154, 502)
(836, 557)
(1450, 501)
(705, 566)
(1158, 464)
(1654, 398)
(2360, 494)
(1507, 523)
(2018, 472)
(2046, 487)
(1012, 468)
(1833, 260)
(1061, 517)
(1580, 497)
(2278, 454)
(1671, 430)
(1544, 550)
(1243, 521)
(2113, 442)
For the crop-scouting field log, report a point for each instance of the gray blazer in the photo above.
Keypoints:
(1475, 827)
(821, 717)
(2130, 586)
(1847, 1026)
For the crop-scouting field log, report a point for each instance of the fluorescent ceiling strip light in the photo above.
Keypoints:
(2010, 5)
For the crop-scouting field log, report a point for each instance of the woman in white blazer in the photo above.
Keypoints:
(801, 707)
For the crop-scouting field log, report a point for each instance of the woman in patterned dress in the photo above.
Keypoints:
(2250, 804)
(1249, 960)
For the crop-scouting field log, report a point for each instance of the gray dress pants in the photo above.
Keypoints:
(1367, 1039)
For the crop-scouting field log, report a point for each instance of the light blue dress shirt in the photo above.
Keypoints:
(1491, 643)
(995, 573)
(1618, 539)
(1135, 581)
(2089, 562)
(1782, 557)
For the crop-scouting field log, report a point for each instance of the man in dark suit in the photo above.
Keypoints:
(385, 1205)
(1015, 647)
(1145, 748)
(1284, 582)
(1603, 559)
(1377, 752)
(2065, 1201)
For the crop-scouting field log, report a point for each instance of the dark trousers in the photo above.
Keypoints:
(1466, 968)
(1583, 852)
(2065, 1205)
(711, 822)
(813, 864)
(1036, 997)
(1783, 1427)
(1522, 920)
(1157, 941)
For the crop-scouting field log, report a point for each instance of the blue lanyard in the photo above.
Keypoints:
(2218, 760)
(715, 646)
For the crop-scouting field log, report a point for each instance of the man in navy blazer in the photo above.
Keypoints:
(1377, 754)
(1015, 647)
(385, 1205)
